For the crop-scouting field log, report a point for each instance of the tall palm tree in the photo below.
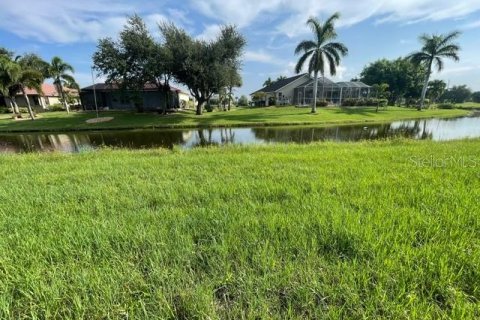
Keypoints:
(320, 51)
(435, 47)
(58, 71)
(9, 71)
(32, 74)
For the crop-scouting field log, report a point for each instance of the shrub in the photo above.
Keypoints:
(23, 110)
(56, 107)
(446, 106)
(349, 102)
(5, 110)
(209, 107)
(322, 103)
(382, 102)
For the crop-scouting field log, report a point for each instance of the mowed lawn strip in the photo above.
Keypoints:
(61, 121)
(365, 230)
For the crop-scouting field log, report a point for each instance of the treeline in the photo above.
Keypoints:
(401, 82)
(19, 72)
(136, 58)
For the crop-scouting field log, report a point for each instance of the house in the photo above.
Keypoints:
(298, 91)
(40, 101)
(281, 92)
(110, 96)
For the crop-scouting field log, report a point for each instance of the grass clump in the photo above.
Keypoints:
(367, 230)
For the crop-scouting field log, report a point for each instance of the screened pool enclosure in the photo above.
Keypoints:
(333, 92)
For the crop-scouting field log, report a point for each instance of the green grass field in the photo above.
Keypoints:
(329, 231)
(60, 121)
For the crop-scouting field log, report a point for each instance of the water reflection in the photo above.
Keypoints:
(435, 129)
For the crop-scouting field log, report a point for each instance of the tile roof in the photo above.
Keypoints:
(49, 90)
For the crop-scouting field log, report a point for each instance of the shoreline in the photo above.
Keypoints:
(319, 124)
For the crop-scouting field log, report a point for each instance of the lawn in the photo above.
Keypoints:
(59, 121)
(329, 231)
(468, 105)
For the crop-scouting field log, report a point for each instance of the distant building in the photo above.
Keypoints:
(39, 101)
(109, 96)
(298, 90)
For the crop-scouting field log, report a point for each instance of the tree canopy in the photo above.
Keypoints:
(205, 67)
(457, 94)
(404, 79)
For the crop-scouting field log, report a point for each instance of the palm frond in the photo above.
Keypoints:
(305, 46)
(331, 63)
(328, 29)
(418, 58)
(448, 38)
(316, 28)
(301, 61)
(335, 55)
(67, 77)
(438, 64)
(338, 47)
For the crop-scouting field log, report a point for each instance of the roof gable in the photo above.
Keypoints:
(280, 84)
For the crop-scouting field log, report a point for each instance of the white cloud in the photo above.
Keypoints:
(246, 12)
(210, 32)
(59, 21)
(262, 56)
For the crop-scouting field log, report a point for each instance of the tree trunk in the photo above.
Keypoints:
(200, 103)
(13, 104)
(29, 107)
(62, 95)
(165, 108)
(314, 107)
(16, 110)
(230, 98)
(425, 86)
(323, 86)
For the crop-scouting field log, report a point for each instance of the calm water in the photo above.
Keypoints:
(434, 129)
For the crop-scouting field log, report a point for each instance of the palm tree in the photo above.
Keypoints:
(319, 51)
(74, 87)
(58, 71)
(9, 71)
(268, 82)
(435, 47)
(32, 74)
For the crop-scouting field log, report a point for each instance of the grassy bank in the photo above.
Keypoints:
(468, 106)
(60, 121)
(367, 230)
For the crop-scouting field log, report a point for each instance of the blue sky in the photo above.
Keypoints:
(371, 29)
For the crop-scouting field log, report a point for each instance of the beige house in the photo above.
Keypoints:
(183, 98)
(299, 91)
(282, 91)
(50, 96)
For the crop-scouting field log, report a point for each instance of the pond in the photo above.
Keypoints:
(433, 129)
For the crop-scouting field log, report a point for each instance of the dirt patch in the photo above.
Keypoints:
(99, 120)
